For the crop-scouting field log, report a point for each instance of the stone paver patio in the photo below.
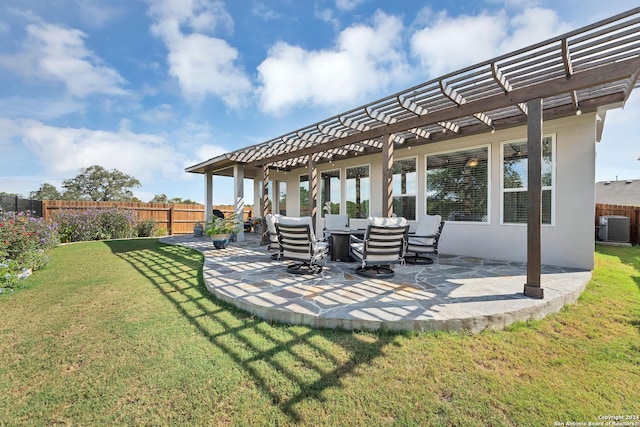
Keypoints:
(453, 294)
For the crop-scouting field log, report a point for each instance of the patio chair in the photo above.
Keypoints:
(383, 245)
(297, 242)
(272, 233)
(425, 240)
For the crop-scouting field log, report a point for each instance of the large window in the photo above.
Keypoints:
(358, 189)
(404, 188)
(330, 193)
(304, 195)
(458, 185)
(514, 181)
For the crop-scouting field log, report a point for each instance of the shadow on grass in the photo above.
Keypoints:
(302, 361)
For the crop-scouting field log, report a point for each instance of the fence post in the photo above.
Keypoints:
(171, 220)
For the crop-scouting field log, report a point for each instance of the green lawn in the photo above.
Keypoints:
(125, 333)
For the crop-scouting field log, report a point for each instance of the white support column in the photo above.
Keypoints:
(238, 191)
(208, 194)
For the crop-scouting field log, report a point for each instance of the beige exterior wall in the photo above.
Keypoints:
(568, 242)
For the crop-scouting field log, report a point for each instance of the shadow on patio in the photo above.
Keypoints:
(455, 293)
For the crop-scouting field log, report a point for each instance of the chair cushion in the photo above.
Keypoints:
(428, 225)
(387, 222)
(336, 221)
(304, 220)
(356, 250)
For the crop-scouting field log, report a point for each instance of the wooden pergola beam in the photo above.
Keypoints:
(605, 74)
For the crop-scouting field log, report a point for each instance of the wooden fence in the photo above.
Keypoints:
(175, 218)
(632, 212)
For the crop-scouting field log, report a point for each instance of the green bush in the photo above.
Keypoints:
(146, 227)
(95, 224)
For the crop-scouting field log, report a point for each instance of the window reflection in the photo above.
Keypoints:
(330, 192)
(358, 191)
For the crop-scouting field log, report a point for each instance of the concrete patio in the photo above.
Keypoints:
(453, 294)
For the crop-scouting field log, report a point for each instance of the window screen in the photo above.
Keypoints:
(358, 191)
(330, 192)
(404, 188)
(457, 185)
(514, 181)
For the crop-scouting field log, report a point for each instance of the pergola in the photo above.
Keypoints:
(594, 68)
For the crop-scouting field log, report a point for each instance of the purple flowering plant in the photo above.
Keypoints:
(23, 242)
(95, 224)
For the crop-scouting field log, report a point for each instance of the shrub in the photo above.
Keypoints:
(146, 227)
(24, 238)
(117, 224)
(23, 242)
(95, 224)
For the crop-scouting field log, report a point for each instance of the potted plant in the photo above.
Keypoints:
(198, 229)
(220, 229)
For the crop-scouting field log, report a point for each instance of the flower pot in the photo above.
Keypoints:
(220, 241)
(198, 230)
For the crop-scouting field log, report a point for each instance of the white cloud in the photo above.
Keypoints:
(65, 150)
(95, 14)
(40, 107)
(202, 64)
(162, 113)
(455, 42)
(57, 54)
(348, 5)
(365, 60)
(263, 11)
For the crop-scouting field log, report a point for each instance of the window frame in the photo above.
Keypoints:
(551, 187)
(368, 165)
(340, 203)
(308, 213)
(488, 146)
(417, 186)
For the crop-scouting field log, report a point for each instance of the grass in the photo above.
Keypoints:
(125, 333)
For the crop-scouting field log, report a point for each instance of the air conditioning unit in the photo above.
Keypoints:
(615, 228)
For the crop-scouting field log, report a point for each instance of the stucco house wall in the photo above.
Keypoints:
(568, 241)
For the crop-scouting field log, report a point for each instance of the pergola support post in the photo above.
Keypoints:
(313, 189)
(264, 208)
(208, 194)
(387, 175)
(238, 203)
(534, 198)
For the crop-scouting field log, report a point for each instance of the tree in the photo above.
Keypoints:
(46, 192)
(159, 198)
(162, 198)
(98, 184)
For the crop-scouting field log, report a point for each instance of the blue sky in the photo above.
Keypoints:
(150, 87)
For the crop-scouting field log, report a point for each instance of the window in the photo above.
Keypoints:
(330, 193)
(358, 189)
(404, 188)
(282, 202)
(304, 195)
(458, 185)
(514, 181)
